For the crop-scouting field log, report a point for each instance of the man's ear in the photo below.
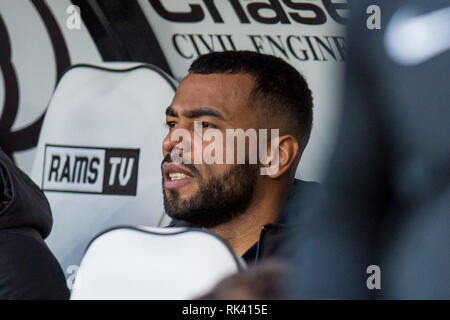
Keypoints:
(288, 149)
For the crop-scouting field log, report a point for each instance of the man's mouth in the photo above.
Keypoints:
(175, 176)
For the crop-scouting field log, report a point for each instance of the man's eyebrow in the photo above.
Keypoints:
(196, 113)
(170, 112)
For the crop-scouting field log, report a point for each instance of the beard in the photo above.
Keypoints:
(218, 200)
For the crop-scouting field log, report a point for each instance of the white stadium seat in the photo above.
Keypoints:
(99, 153)
(153, 263)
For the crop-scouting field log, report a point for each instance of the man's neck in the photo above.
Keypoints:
(244, 231)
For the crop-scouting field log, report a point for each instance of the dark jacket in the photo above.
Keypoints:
(385, 200)
(273, 236)
(28, 270)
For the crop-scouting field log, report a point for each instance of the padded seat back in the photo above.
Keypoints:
(99, 153)
(153, 263)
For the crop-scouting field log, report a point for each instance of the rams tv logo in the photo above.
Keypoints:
(90, 170)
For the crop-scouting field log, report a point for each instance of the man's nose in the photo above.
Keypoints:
(178, 140)
(168, 144)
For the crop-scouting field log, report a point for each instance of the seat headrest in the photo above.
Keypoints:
(153, 263)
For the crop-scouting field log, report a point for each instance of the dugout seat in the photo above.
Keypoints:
(99, 153)
(153, 263)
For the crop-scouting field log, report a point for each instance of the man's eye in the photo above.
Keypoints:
(171, 124)
(207, 125)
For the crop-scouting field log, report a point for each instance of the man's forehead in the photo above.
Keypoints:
(232, 80)
(225, 93)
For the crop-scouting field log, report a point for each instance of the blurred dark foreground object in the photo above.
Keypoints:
(261, 282)
(386, 197)
(28, 270)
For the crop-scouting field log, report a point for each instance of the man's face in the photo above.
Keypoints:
(208, 194)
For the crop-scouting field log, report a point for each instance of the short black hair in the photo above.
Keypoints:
(279, 88)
